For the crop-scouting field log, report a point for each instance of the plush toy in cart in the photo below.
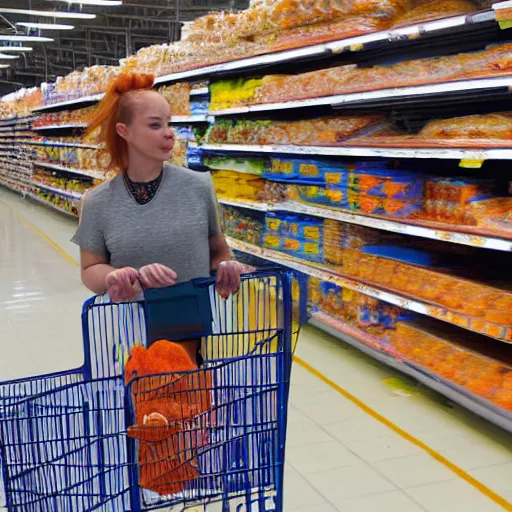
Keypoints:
(171, 398)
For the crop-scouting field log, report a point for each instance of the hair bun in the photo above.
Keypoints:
(127, 82)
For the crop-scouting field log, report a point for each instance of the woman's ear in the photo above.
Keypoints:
(122, 130)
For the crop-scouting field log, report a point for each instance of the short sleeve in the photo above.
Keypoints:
(213, 208)
(89, 235)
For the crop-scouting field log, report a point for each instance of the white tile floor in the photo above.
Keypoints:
(339, 457)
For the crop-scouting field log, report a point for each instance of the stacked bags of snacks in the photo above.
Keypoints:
(487, 377)
(276, 25)
(236, 185)
(382, 259)
(354, 308)
(178, 96)
(245, 225)
(322, 131)
(294, 235)
(494, 60)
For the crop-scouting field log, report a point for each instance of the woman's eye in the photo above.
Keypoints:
(155, 126)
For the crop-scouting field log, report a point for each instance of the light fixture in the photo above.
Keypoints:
(104, 3)
(4, 56)
(3, 66)
(50, 14)
(45, 26)
(21, 49)
(30, 39)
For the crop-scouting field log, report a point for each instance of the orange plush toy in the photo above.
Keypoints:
(170, 398)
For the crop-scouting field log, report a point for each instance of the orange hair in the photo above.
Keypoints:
(117, 107)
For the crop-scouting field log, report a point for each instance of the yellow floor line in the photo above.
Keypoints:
(47, 239)
(42, 235)
(496, 498)
(499, 500)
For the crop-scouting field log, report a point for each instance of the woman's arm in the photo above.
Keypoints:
(219, 251)
(94, 270)
(227, 268)
(121, 284)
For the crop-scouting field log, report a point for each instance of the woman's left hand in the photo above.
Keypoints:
(157, 276)
(228, 277)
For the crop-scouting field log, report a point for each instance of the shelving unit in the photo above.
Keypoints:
(190, 119)
(60, 192)
(364, 152)
(80, 172)
(70, 104)
(463, 90)
(460, 25)
(64, 126)
(54, 144)
(416, 305)
(457, 394)
(439, 232)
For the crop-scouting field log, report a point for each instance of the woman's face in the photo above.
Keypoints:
(148, 133)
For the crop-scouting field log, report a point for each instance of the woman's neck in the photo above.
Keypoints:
(142, 170)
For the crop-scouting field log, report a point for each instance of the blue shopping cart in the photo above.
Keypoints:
(70, 442)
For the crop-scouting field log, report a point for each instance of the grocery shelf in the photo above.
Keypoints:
(16, 120)
(65, 193)
(14, 159)
(14, 129)
(49, 143)
(325, 274)
(457, 394)
(202, 91)
(355, 151)
(12, 184)
(445, 90)
(394, 226)
(25, 173)
(70, 104)
(465, 23)
(50, 205)
(251, 205)
(81, 172)
(16, 135)
(64, 126)
(191, 119)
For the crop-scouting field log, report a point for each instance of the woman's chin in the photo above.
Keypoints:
(166, 155)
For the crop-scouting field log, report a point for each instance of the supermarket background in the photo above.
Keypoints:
(365, 144)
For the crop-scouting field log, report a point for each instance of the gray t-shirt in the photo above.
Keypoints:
(172, 229)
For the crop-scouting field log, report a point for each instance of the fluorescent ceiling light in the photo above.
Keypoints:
(4, 56)
(22, 49)
(45, 26)
(104, 3)
(50, 14)
(3, 66)
(33, 39)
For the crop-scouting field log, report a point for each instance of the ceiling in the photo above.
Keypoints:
(115, 33)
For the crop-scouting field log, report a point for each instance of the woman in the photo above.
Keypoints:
(153, 224)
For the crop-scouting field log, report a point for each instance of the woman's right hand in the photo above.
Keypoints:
(123, 284)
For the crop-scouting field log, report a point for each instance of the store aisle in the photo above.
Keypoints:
(402, 450)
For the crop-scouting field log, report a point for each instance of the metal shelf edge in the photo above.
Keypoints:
(354, 151)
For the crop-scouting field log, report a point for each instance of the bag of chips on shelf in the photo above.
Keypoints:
(178, 96)
(227, 94)
(459, 360)
(497, 126)
(434, 9)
